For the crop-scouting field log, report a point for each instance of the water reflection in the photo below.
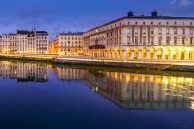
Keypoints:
(24, 72)
(139, 91)
(127, 90)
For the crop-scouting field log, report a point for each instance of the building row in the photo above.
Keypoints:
(131, 37)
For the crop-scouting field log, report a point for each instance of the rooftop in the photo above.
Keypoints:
(154, 15)
(71, 33)
(31, 32)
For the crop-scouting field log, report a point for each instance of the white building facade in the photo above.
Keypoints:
(25, 42)
(70, 44)
(142, 37)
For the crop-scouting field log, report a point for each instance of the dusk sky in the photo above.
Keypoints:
(57, 16)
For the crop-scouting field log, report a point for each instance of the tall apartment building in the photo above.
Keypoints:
(25, 42)
(70, 44)
(142, 37)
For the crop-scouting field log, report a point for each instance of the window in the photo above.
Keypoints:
(136, 23)
(160, 40)
(191, 41)
(175, 31)
(183, 40)
(175, 23)
(191, 23)
(136, 31)
(191, 31)
(152, 31)
(167, 31)
(144, 31)
(183, 31)
(128, 31)
(167, 23)
(152, 23)
(152, 40)
(136, 40)
(160, 31)
(144, 40)
(128, 40)
(175, 40)
(144, 23)
(168, 40)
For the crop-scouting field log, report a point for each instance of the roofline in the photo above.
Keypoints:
(75, 33)
(143, 17)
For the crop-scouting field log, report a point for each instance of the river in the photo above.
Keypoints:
(39, 95)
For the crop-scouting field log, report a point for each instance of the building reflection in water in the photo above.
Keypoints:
(136, 91)
(140, 91)
(127, 90)
(24, 72)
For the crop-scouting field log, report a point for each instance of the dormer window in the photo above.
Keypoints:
(144, 23)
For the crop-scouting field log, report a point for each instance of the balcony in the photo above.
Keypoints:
(97, 47)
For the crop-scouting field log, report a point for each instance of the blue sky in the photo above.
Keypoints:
(57, 16)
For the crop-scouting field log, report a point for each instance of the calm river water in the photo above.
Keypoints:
(41, 96)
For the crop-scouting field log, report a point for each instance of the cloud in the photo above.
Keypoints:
(179, 8)
(173, 2)
(185, 2)
(180, 2)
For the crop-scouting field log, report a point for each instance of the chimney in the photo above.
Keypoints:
(130, 14)
(154, 13)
